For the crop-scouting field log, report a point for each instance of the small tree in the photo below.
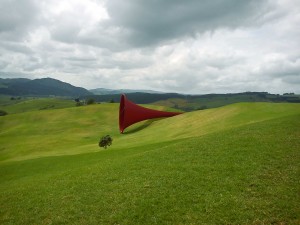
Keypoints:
(202, 107)
(90, 101)
(79, 103)
(3, 113)
(105, 141)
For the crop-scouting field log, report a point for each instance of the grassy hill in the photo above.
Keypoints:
(200, 102)
(237, 164)
(58, 132)
(33, 104)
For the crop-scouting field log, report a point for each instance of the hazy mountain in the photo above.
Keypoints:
(137, 97)
(40, 87)
(104, 91)
(196, 102)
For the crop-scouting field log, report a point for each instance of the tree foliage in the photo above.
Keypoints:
(79, 103)
(3, 113)
(105, 141)
(90, 101)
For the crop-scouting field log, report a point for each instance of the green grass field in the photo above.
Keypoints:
(33, 104)
(213, 101)
(237, 164)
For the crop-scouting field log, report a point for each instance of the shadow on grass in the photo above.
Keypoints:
(142, 126)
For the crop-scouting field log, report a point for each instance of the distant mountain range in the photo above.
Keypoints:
(197, 102)
(40, 87)
(46, 87)
(53, 87)
(104, 91)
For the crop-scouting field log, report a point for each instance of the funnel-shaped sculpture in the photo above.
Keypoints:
(130, 113)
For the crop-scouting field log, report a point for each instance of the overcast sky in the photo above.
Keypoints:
(186, 46)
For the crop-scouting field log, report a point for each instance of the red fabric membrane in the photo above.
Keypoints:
(130, 113)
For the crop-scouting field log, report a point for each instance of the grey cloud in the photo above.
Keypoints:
(282, 68)
(193, 46)
(71, 33)
(80, 59)
(16, 16)
(16, 47)
(128, 64)
(152, 22)
(136, 23)
(66, 33)
(293, 80)
(214, 61)
(14, 75)
(2, 65)
(110, 42)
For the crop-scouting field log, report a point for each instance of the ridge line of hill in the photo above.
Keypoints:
(40, 87)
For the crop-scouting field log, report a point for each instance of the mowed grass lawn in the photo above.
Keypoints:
(238, 164)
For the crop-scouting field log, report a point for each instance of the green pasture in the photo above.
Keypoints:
(33, 104)
(207, 102)
(237, 164)
(214, 101)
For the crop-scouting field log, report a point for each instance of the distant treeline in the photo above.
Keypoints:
(146, 98)
(138, 97)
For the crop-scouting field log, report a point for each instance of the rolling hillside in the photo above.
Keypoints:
(77, 129)
(237, 164)
(57, 132)
(33, 104)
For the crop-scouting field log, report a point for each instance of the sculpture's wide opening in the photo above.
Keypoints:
(121, 113)
(131, 113)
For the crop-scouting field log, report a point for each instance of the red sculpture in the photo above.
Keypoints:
(130, 113)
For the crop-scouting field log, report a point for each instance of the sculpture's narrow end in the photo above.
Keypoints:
(121, 113)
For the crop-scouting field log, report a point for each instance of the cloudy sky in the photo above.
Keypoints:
(190, 46)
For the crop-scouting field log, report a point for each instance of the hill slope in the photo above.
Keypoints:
(33, 104)
(77, 129)
(237, 164)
